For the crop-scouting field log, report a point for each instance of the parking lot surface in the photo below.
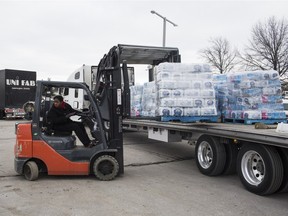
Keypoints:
(159, 179)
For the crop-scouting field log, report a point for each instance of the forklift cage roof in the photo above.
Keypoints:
(134, 54)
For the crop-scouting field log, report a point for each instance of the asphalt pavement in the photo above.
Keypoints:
(159, 179)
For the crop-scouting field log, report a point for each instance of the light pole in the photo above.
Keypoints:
(164, 25)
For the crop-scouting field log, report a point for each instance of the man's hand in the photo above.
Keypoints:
(83, 114)
(70, 114)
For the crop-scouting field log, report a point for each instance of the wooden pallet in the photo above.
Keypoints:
(253, 121)
(188, 119)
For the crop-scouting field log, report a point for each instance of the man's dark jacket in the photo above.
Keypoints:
(57, 116)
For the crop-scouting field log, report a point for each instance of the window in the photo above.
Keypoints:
(76, 93)
(66, 91)
(77, 75)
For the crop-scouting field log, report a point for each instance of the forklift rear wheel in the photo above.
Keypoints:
(31, 171)
(106, 167)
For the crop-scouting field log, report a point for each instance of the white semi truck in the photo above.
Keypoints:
(86, 74)
(285, 103)
(259, 156)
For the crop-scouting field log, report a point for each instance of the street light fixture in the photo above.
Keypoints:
(164, 25)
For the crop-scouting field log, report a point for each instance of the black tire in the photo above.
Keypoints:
(2, 114)
(210, 155)
(260, 168)
(284, 156)
(31, 171)
(231, 159)
(105, 168)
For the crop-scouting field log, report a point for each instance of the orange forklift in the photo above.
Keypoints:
(40, 149)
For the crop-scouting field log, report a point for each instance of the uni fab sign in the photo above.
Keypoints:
(18, 82)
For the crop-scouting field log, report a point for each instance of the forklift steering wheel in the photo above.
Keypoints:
(84, 115)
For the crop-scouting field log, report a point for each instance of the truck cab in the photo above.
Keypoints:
(285, 103)
(87, 75)
(84, 74)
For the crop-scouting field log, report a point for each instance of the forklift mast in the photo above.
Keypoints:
(113, 100)
(113, 94)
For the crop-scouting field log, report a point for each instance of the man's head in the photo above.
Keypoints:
(57, 101)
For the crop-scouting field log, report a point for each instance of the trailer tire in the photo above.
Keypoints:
(284, 156)
(2, 114)
(31, 171)
(210, 155)
(105, 168)
(260, 168)
(231, 159)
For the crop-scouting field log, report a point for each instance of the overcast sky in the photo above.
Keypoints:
(55, 38)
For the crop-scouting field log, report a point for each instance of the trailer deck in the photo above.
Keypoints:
(232, 131)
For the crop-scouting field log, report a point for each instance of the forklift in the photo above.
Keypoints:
(40, 149)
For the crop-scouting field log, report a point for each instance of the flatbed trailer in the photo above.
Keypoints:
(260, 156)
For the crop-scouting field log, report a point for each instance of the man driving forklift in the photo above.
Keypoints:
(58, 118)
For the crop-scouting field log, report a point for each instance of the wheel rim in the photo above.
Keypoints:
(205, 155)
(253, 167)
(105, 167)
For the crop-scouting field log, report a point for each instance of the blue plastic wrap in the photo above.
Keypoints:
(249, 95)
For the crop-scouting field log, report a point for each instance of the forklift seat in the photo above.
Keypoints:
(60, 142)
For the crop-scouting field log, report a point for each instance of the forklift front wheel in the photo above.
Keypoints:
(105, 167)
(31, 171)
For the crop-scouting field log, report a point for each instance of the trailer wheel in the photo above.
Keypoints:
(105, 167)
(284, 156)
(210, 155)
(2, 114)
(31, 171)
(231, 158)
(260, 168)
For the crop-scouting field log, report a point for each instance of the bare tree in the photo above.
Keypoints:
(268, 47)
(220, 55)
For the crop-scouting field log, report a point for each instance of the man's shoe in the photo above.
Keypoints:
(93, 143)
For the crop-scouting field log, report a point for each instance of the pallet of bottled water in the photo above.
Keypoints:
(185, 93)
(253, 96)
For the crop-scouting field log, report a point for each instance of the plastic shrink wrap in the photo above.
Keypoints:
(249, 95)
(136, 100)
(192, 90)
(184, 90)
(149, 99)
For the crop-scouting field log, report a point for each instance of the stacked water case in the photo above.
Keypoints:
(149, 98)
(254, 95)
(185, 90)
(135, 100)
(221, 91)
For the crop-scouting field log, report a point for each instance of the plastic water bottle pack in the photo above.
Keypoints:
(136, 100)
(185, 90)
(149, 98)
(249, 95)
